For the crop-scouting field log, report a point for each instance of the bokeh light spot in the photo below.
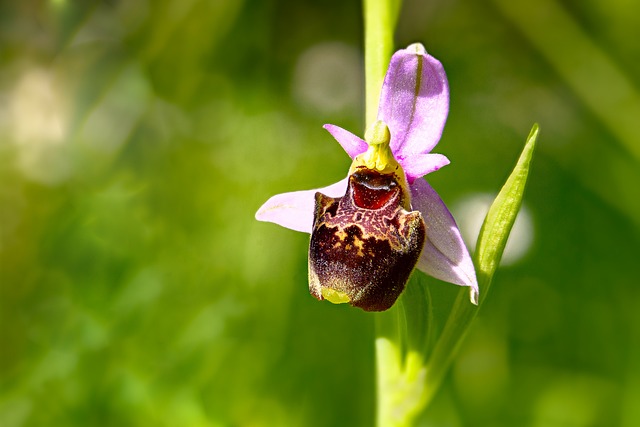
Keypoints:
(40, 119)
(328, 78)
(470, 212)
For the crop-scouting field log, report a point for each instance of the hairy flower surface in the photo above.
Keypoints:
(369, 230)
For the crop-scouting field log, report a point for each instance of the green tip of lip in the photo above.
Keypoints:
(334, 296)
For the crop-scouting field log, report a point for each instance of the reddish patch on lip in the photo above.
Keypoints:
(372, 190)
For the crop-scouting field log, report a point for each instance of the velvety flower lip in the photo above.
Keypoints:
(414, 104)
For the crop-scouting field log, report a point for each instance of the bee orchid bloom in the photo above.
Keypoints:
(371, 229)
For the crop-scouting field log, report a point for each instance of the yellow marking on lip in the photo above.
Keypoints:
(341, 235)
(360, 245)
(334, 296)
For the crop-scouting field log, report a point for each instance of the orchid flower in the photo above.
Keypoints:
(369, 230)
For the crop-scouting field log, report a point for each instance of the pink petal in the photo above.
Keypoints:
(295, 210)
(445, 255)
(352, 144)
(414, 101)
(419, 165)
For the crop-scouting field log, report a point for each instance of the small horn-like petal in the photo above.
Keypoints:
(419, 165)
(352, 144)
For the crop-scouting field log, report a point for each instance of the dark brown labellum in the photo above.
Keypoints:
(364, 245)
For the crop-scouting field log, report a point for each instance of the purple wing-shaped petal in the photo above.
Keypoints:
(444, 256)
(414, 101)
(419, 165)
(352, 144)
(295, 210)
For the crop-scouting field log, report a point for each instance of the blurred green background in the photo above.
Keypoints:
(138, 138)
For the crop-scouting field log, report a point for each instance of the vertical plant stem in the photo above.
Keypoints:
(401, 339)
(380, 18)
(379, 23)
(388, 362)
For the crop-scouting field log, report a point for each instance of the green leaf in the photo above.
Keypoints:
(501, 216)
(491, 242)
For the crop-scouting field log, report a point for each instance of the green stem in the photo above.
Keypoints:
(380, 18)
(387, 366)
(400, 356)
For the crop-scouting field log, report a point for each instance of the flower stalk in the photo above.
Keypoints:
(380, 17)
(393, 390)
